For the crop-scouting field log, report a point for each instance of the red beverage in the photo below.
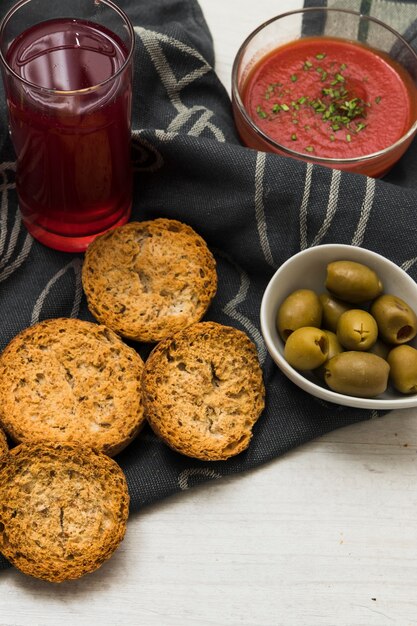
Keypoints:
(69, 119)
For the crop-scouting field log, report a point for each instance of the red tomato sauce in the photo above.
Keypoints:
(329, 97)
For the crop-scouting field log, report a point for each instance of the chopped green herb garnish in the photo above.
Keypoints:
(262, 114)
(338, 107)
(377, 99)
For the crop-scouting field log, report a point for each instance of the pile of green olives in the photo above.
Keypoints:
(354, 336)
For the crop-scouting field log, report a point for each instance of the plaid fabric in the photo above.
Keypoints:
(254, 210)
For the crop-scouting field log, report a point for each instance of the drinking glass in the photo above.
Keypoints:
(67, 74)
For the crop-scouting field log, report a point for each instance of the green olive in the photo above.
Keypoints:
(300, 308)
(403, 364)
(360, 374)
(334, 348)
(357, 330)
(380, 348)
(397, 322)
(306, 348)
(332, 310)
(352, 281)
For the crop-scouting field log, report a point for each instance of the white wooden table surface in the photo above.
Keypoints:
(325, 536)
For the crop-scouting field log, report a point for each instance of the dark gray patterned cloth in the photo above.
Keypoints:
(254, 210)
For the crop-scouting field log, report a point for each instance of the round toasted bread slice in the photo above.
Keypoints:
(3, 443)
(147, 280)
(68, 380)
(63, 509)
(203, 391)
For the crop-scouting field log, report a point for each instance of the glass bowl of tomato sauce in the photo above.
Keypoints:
(327, 86)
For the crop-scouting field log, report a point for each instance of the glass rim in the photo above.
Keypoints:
(289, 151)
(11, 12)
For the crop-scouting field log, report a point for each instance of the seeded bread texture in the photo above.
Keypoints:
(63, 509)
(68, 380)
(203, 391)
(147, 280)
(3, 443)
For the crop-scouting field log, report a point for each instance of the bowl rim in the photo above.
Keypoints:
(326, 394)
(236, 98)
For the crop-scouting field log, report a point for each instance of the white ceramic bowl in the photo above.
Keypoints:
(307, 270)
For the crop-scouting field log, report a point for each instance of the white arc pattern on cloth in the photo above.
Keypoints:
(259, 208)
(365, 212)
(4, 188)
(184, 476)
(75, 266)
(6, 253)
(152, 41)
(408, 264)
(304, 207)
(331, 209)
(230, 310)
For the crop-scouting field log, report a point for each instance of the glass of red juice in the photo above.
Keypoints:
(67, 73)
